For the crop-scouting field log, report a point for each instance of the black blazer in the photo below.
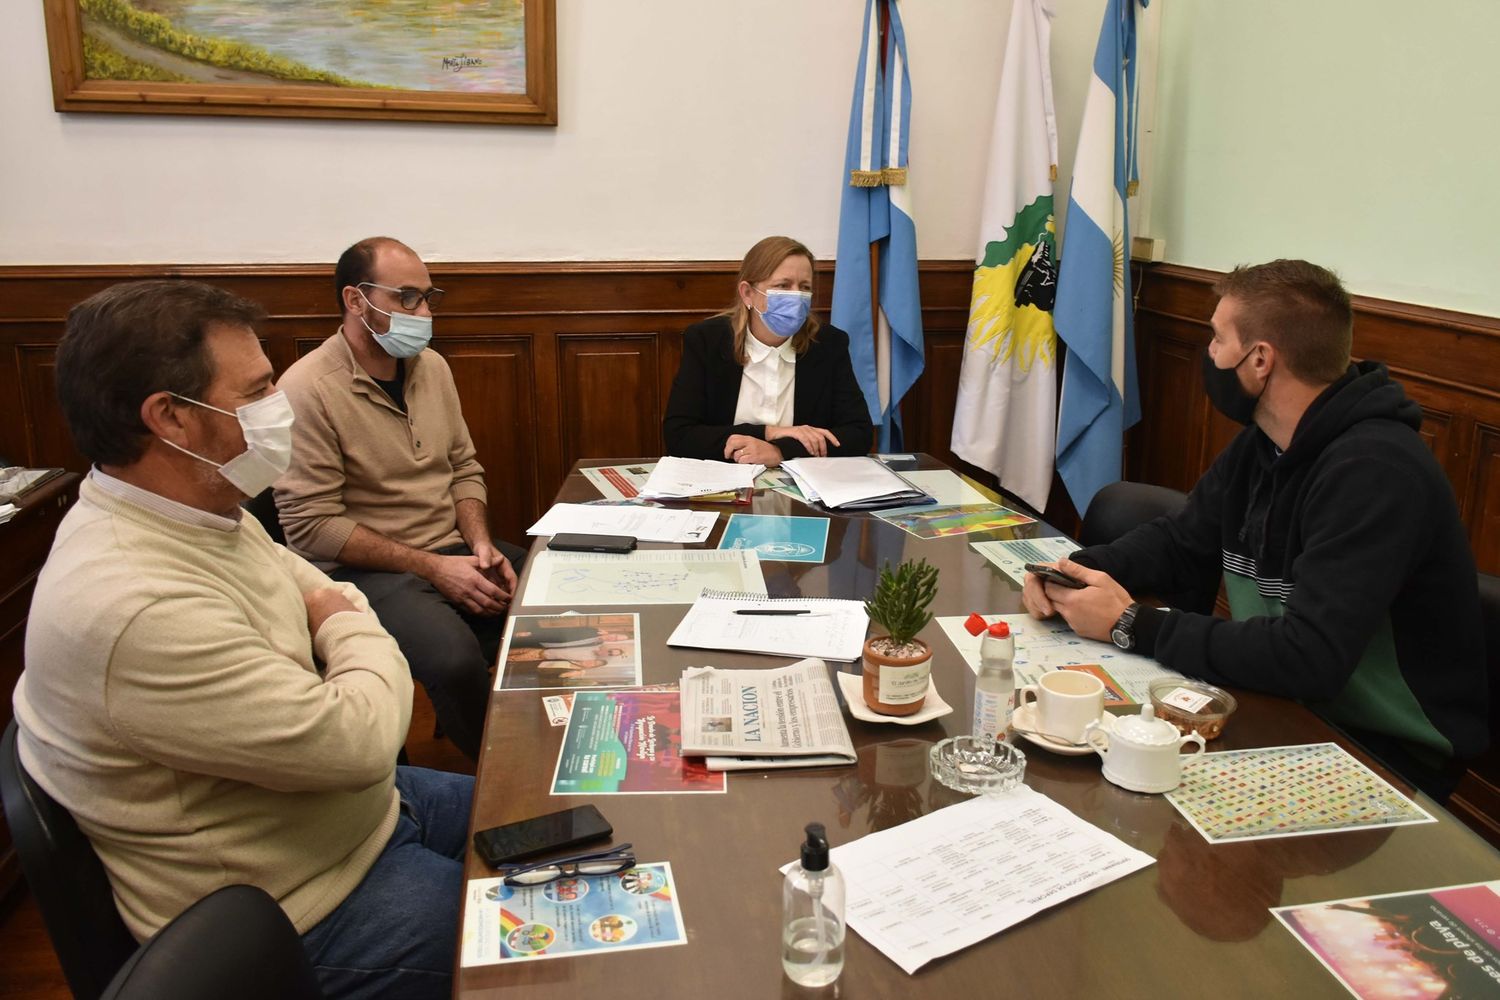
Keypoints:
(700, 411)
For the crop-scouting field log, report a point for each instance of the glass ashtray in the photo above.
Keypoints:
(964, 765)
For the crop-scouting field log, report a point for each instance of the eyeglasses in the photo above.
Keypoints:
(616, 859)
(411, 297)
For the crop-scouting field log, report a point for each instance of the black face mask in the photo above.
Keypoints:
(1224, 390)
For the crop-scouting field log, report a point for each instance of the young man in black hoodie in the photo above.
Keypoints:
(1348, 573)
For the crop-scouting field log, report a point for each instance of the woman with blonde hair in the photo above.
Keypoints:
(762, 381)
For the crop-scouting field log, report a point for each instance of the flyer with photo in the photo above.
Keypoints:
(570, 651)
(570, 917)
(1435, 943)
(628, 743)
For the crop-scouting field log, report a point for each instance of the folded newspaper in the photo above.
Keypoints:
(749, 719)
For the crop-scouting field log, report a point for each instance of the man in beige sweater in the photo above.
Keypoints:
(384, 490)
(172, 699)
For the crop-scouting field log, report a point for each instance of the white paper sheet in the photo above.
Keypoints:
(1012, 556)
(1051, 645)
(677, 478)
(833, 630)
(585, 579)
(945, 486)
(954, 877)
(647, 524)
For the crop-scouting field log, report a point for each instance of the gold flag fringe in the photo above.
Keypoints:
(893, 175)
(864, 178)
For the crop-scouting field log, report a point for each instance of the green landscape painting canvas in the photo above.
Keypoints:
(464, 46)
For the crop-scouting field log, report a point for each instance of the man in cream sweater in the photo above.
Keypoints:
(210, 707)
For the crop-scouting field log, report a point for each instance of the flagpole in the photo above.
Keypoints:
(885, 23)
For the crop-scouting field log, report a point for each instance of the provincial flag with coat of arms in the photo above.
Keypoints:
(1093, 312)
(1006, 413)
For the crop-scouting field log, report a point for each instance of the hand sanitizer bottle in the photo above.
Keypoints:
(994, 687)
(812, 915)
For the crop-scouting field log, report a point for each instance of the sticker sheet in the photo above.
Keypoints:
(1286, 792)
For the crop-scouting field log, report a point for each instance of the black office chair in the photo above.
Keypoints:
(233, 944)
(66, 877)
(1121, 506)
(262, 507)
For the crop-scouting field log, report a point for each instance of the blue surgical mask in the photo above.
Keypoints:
(407, 336)
(786, 310)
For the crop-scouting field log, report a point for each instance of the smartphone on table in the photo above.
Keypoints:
(540, 835)
(1056, 576)
(568, 541)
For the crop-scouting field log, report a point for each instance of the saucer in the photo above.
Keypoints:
(854, 693)
(1025, 718)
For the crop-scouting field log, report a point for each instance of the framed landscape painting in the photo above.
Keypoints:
(417, 60)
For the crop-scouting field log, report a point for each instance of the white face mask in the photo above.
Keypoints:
(267, 427)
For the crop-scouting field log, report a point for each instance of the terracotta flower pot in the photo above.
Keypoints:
(902, 679)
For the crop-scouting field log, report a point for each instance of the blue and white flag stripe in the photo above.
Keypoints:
(1092, 315)
(885, 343)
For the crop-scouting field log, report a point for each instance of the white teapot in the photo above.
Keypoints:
(1141, 752)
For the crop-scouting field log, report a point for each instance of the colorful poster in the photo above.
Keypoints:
(1286, 792)
(628, 743)
(1436, 943)
(778, 539)
(952, 519)
(570, 651)
(570, 917)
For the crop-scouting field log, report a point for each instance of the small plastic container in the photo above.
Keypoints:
(1192, 706)
(964, 764)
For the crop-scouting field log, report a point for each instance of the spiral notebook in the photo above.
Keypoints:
(830, 628)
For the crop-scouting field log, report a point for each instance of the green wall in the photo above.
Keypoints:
(1364, 136)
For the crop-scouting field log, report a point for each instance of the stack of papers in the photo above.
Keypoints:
(680, 478)
(750, 623)
(744, 719)
(852, 483)
(646, 524)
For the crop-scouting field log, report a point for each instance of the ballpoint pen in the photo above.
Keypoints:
(779, 611)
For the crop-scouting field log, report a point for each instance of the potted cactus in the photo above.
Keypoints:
(897, 665)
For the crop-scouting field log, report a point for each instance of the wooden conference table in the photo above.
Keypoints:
(1196, 922)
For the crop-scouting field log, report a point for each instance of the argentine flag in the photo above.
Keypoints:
(885, 343)
(1092, 315)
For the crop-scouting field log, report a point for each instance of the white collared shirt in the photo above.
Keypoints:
(158, 504)
(766, 384)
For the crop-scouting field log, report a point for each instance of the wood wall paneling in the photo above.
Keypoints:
(494, 380)
(609, 396)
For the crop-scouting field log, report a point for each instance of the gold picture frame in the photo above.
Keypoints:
(241, 57)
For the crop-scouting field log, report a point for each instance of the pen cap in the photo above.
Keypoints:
(815, 849)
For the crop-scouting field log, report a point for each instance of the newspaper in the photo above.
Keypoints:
(789, 713)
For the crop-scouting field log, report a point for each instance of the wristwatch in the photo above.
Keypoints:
(1123, 634)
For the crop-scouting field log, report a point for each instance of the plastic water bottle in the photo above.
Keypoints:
(812, 915)
(995, 686)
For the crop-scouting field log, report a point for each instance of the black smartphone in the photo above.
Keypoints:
(568, 541)
(1056, 576)
(518, 841)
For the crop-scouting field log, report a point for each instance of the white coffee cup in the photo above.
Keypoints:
(1066, 702)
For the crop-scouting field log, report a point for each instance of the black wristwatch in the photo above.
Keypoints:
(1123, 634)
